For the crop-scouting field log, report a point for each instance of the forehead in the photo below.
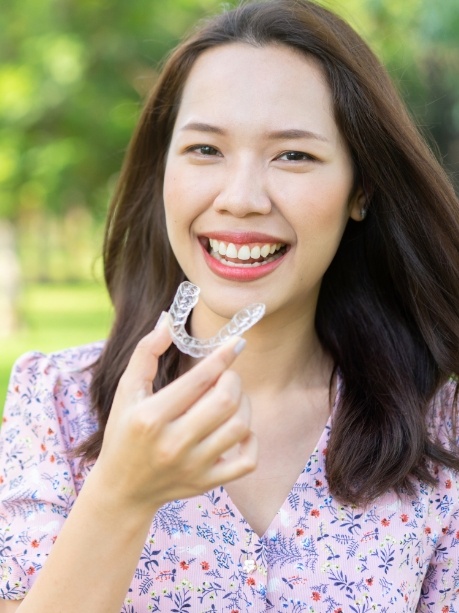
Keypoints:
(241, 84)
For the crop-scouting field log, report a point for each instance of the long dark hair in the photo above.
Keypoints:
(388, 306)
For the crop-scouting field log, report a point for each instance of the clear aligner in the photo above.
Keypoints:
(185, 299)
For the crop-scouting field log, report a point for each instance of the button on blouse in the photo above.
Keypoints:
(397, 555)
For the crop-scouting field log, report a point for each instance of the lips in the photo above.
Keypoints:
(243, 256)
(252, 253)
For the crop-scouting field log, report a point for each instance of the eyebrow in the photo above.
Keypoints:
(292, 133)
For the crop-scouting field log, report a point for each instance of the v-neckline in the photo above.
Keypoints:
(323, 437)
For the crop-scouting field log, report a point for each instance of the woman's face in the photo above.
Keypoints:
(258, 180)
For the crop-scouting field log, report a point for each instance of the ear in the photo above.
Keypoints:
(357, 205)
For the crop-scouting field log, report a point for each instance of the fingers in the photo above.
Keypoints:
(228, 450)
(142, 368)
(182, 393)
(172, 444)
(214, 408)
(238, 465)
(221, 441)
(227, 453)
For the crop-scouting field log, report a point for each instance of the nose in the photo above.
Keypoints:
(243, 191)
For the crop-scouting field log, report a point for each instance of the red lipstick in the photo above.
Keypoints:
(243, 238)
(241, 273)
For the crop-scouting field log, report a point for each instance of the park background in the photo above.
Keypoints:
(73, 77)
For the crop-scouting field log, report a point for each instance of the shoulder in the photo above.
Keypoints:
(33, 364)
(50, 389)
(47, 413)
(441, 416)
(35, 369)
(443, 429)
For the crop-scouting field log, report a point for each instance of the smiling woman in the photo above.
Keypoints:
(311, 466)
(253, 173)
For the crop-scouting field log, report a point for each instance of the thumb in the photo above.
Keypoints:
(142, 367)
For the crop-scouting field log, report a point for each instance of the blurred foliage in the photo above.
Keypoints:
(53, 317)
(418, 42)
(74, 73)
(73, 77)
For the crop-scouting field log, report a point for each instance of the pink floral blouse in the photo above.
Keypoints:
(201, 556)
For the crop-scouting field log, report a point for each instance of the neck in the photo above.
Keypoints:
(282, 353)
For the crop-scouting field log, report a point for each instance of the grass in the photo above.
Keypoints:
(55, 316)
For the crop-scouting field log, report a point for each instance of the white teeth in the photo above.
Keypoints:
(264, 251)
(231, 251)
(218, 257)
(255, 253)
(243, 253)
(221, 250)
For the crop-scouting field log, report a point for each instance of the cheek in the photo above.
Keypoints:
(171, 187)
(319, 218)
(331, 200)
(185, 192)
(323, 211)
(171, 197)
(183, 204)
(175, 203)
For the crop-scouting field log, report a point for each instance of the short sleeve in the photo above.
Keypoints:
(45, 415)
(440, 590)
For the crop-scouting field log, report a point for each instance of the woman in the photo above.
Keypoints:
(273, 163)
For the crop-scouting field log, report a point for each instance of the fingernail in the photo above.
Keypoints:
(162, 317)
(239, 346)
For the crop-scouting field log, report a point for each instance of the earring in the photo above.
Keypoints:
(363, 212)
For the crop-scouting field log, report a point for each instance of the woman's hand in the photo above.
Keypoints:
(170, 445)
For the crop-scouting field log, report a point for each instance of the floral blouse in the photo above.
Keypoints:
(201, 556)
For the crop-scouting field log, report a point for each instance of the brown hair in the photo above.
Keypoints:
(388, 304)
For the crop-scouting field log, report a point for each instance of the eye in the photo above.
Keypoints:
(204, 150)
(296, 156)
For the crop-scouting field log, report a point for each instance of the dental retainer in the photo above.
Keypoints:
(185, 299)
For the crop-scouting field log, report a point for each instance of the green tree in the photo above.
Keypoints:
(418, 42)
(73, 75)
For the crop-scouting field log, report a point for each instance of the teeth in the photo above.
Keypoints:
(264, 251)
(244, 252)
(221, 259)
(231, 251)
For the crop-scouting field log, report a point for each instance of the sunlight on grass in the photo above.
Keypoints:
(54, 317)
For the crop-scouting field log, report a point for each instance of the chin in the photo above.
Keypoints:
(225, 311)
(223, 305)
